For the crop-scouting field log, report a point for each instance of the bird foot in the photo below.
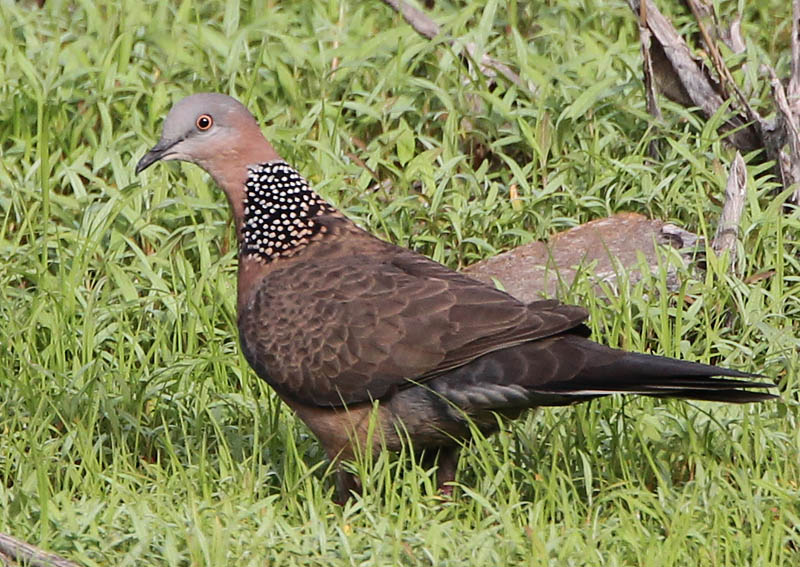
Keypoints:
(346, 486)
(446, 491)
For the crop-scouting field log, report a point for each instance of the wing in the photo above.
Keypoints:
(349, 330)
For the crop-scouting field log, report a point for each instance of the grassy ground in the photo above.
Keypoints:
(132, 431)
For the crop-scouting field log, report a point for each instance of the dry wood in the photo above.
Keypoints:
(788, 164)
(649, 80)
(416, 18)
(716, 58)
(793, 104)
(727, 235)
(777, 133)
(724, 74)
(794, 81)
(650, 89)
(14, 552)
(684, 79)
(429, 29)
(733, 37)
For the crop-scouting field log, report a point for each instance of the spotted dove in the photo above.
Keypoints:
(335, 319)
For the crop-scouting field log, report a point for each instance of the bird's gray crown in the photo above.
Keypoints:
(181, 120)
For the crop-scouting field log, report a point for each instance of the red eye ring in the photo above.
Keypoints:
(204, 122)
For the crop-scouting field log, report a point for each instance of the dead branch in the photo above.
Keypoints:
(788, 164)
(723, 72)
(684, 79)
(716, 58)
(416, 18)
(794, 81)
(14, 551)
(727, 235)
(649, 80)
(427, 28)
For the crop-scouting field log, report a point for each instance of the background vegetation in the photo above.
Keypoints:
(132, 431)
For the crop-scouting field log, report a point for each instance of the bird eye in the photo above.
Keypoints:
(204, 122)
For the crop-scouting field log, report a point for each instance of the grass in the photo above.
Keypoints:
(132, 431)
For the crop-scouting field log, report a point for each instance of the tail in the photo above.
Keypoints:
(609, 371)
(568, 369)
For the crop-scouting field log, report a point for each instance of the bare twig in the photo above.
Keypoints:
(727, 234)
(733, 36)
(682, 66)
(682, 78)
(649, 80)
(724, 74)
(794, 81)
(789, 165)
(490, 66)
(716, 58)
(417, 19)
(429, 29)
(16, 551)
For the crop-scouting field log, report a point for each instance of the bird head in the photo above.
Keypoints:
(214, 131)
(220, 135)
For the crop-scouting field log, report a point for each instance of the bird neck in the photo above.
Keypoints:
(230, 164)
(279, 213)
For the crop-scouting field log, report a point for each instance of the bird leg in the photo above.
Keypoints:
(446, 473)
(347, 484)
(446, 459)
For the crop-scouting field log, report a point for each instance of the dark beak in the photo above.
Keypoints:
(158, 152)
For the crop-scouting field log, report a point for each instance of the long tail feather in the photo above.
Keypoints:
(613, 371)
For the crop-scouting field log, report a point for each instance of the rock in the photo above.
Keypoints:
(602, 249)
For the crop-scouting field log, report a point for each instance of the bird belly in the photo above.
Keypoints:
(417, 414)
